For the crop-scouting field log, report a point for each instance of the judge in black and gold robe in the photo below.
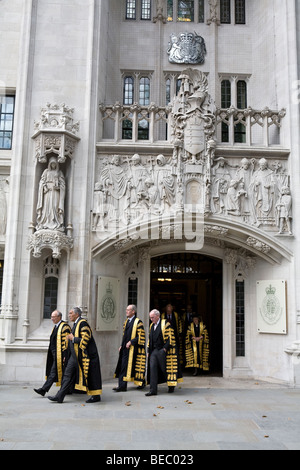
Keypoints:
(163, 362)
(197, 346)
(57, 353)
(175, 321)
(83, 369)
(131, 365)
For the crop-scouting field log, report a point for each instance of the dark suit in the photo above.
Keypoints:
(157, 357)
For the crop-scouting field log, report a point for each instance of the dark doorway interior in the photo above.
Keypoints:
(190, 278)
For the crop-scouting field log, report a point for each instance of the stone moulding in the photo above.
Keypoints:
(53, 240)
(55, 132)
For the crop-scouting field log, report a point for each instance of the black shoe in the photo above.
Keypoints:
(120, 389)
(149, 394)
(40, 391)
(94, 399)
(55, 399)
(171, 390)
(141, 387)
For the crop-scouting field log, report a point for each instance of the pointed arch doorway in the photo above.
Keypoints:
(194, 279)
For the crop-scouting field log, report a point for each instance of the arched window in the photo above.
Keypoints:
(51, 275)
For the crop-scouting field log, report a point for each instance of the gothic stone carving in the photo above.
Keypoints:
(186, 48)
(132, 189)
(55, 132)
(54, 240)
(55, 139)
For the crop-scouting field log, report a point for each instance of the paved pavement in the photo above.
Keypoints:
(204, 413)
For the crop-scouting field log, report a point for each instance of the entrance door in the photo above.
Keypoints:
(184, 279)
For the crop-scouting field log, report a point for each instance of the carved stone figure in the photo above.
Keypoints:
(165, 182)
(264, 188)
(138, 176)
(51, 196)
(284, 210)
(115, 181)
(99, 209)
(220, 183)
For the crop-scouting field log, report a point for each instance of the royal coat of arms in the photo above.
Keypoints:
(186, 48)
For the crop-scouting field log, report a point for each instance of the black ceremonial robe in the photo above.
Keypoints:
(58, 349)
(88, 377)
(197, 352)
(172, 374)
(136, 366)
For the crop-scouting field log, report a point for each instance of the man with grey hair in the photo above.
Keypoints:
(162, 355)
(83, 370)
(131, 365)
(57, 353)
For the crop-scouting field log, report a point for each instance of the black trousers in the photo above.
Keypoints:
(123, 370)
(69, 378)
(157, 363)
(51, 378)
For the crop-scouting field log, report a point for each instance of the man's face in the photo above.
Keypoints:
(154, 318)
(55, 317)
(72, 315)
(129, 312)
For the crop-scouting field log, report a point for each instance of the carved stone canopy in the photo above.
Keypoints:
(49, 239)
(55, 132)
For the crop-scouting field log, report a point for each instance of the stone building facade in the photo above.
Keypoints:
(149, 154)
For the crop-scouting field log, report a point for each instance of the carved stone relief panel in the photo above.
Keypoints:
(130, 189)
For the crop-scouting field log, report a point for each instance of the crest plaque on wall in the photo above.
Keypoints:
(271, 306)
(108, 306)
(186, 48)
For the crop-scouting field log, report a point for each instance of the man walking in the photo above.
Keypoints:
(162, 355)
(57, 353)
(83, 368)
(131, 365)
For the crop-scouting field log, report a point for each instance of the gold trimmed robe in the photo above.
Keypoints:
(136, 367)
(88, 377)
(173, 374)
(58, 340)
(197, 352)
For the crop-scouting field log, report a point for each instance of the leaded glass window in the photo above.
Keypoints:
(130, 9)
(185, 10)
(7, 104)
(225, 12)
(146, 10)
(240, 12)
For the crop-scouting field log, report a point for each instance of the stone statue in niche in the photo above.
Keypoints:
(117, 186)
(51, 197)
(4, 185)
(264, 188)
(284, 211)
(165, 182)
(99, 208)
(220, 184)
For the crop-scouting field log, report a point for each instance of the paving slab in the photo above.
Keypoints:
(204, 413)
